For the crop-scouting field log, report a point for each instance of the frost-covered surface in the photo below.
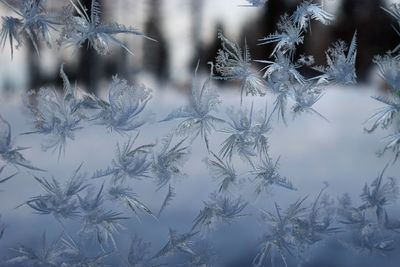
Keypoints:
(330, 154)
(149, 178)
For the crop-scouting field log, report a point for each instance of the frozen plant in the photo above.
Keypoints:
(266, 175)
(248, 134)
(234, 63)
(60, 201)
(197, 117)
(167, 161)
(307, 11)
(341, 62)
(8, 153)
(125, 110)
(89, 28)
(220, 209)
(129, 162)
(54, 114)
(33, 21)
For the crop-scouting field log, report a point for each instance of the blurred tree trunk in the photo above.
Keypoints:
(156, 57)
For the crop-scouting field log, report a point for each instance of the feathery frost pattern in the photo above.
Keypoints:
(97, 215)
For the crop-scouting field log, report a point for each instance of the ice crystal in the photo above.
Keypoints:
(75, 254)
(3, 180)
(168, 198)
(60, 201)
(129, 162)
(33, 21)
(305, 96)
(197, 116)
(223, 172)
(341, 63)
(248, 134)
(288, 36)
(139, 254)
(234, 63)
(379, 194)
(266, 175)
(8, 153)
(89, 27)
(389, 114)
(168, 160)
(307, 11)
(54, 114)
(127, 196)
(220, 209)
(48, 255)
(279, 242)
(177, 243)
(103, 226)
(125, 110)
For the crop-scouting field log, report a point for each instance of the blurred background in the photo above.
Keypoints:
(186, 31)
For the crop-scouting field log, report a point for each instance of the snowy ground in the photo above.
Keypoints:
(312, 152)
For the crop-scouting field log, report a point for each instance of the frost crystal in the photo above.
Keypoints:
(125, 110)
(233, 63)
(168, 198)
(177, 242)
(288, 36)
(223, 172)
(9, 154)
(341, 63)
(48, 255)
(89, 27)
(129, 162)
(33, 21)
(59, 201)
(167, 161)
(126, 195)
(389, 115)
(220, 209)
(198, 118)
(54, 114)
(307, 11)
(266, 175)
(248, 134)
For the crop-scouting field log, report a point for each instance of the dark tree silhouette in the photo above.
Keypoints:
(156, 58)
